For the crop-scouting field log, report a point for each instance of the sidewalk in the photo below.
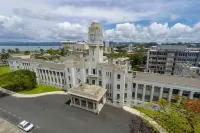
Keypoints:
(145, 117)
(6, 127)
(14, 94)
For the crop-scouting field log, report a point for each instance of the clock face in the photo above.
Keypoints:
(92, 37)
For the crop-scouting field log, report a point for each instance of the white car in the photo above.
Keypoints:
(26, 126)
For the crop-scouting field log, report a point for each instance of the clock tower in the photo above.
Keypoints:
(95, 42)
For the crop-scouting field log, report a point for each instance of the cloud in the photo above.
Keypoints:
(155, 32)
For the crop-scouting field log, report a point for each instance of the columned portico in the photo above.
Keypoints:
(88, 97)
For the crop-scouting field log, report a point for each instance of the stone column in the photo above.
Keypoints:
(170, 94)
(87, 104)
(71, 100)
(143, 93)
(161, 92)
(191, 94)
(80, 103)
(136, 90)
(152, 92)
(180, 92)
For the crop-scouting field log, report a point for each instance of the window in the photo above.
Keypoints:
(55, 80)
(110, 86)
(50, 72)
(61, 74)
(68, 69)
(54, 72)
(134, 85)
(125, 95)
(58, 73)
(77, 102)
(78, 69)
(118, 86)
(99, 72)
(93, 82)
(70, 86)
(63, 81)
(86, 70)
(100, 83)
(118, 96)
(110, 74)
(69, 78)
(83, 103)
(93, 71)
(126, 86)
(118, 76)
(90, 105)
(87, 81)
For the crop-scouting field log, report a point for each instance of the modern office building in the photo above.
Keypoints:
(123, 87)
(163, 59)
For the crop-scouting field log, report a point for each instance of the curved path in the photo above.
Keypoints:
(14, 94)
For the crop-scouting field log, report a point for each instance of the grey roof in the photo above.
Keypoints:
(70, 57)
(93, 92)
(168, 79)
(52, 66)
(14, 58)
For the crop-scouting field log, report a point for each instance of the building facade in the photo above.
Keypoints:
(123, 86)
(164, 58)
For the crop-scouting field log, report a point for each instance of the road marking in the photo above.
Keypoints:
(37, 126)
(9, 113)
(14, 115)
(19, 117)
(4, 110)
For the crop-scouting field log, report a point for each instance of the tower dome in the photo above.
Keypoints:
(95, 21)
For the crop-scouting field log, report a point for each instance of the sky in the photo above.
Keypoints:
(126, 20)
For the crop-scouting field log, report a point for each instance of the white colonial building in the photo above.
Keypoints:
(123, 86)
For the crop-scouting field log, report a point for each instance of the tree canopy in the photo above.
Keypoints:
(18, 80)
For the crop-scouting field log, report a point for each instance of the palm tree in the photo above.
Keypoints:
(9, 50)
(3, 50)
(17, 50)
(42, 51)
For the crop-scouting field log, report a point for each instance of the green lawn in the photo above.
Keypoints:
(4, 69)
(41, 89)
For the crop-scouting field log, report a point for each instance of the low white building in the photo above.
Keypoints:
(88, 97)
(123, 86)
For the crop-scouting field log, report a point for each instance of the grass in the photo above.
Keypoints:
(40, 89)
(4, 69)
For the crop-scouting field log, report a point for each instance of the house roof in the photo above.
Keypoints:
(92, 92)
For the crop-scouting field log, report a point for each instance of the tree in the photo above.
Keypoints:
(180, 117)
(139, 126)
(3, 50)
(51, 51)
(9, 50)
(42, 51)
(18, 80)
(63, 52)
(17, 50)
(26, 52)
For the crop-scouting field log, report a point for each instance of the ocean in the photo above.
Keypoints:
(30, 48)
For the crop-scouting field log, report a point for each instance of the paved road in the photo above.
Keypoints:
(6, 127)
(50, 114)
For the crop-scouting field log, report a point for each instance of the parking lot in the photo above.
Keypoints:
(9, 122)
(6, 127)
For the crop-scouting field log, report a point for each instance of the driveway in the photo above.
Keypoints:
(50, 114)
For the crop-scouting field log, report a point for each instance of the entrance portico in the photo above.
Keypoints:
(88, 97)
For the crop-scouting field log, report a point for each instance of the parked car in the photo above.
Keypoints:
(26, 126)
